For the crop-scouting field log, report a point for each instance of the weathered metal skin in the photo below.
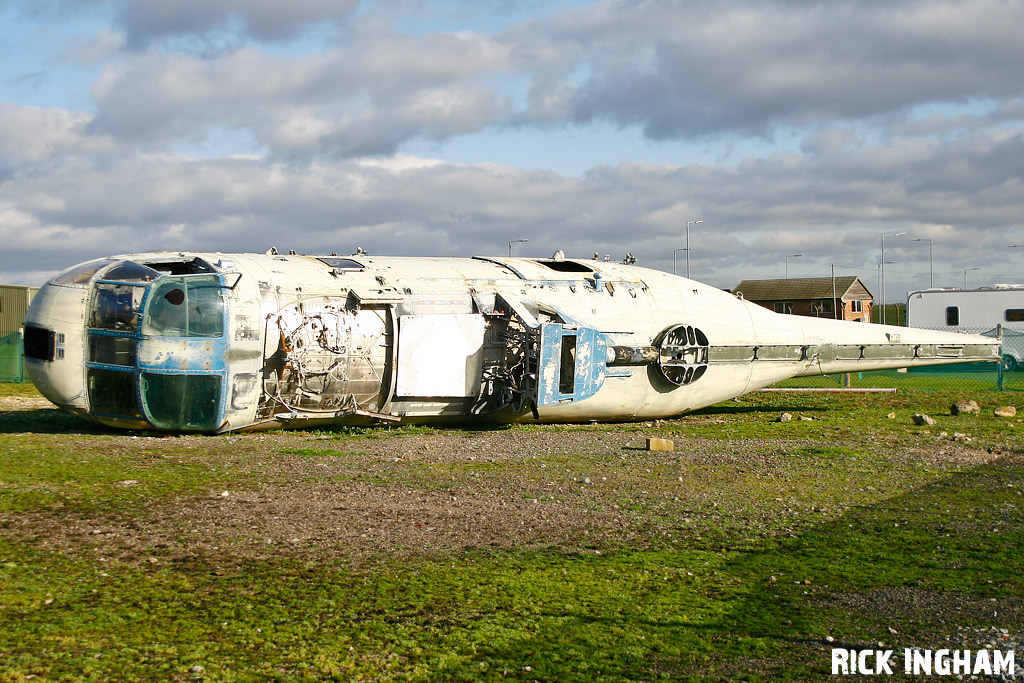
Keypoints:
(208, 343)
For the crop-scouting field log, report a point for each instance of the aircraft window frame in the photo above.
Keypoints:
(113, 349)
(566, 266)
(130, 271)
(341, 263)
(82, 273)
(187, 402)
(115, 314)
(179, 267)
(110, 391)
(164, 299)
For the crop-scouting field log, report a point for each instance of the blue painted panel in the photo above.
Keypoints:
(184, 355)
(590, 358)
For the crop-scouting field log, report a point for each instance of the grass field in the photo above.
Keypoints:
(544, 553)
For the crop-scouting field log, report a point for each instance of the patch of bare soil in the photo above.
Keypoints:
(575, 489)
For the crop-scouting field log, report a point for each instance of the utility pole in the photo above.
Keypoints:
(688, 223)
(882, 265)
(931, 261)
(787, 263)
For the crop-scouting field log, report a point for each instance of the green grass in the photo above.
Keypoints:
(730, 594)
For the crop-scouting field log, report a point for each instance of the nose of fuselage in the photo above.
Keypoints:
(55, 344)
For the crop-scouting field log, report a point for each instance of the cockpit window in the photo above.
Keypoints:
(116, 307)
(185, 307)
(129, 271)
(112, 393)
(81, 274)
(182, 401)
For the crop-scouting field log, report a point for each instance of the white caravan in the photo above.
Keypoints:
(980, 310)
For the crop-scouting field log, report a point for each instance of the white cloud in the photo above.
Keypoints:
(323, 122)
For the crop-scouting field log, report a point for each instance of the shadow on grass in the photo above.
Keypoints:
(776, 406)
(916, 570)
(50, 421)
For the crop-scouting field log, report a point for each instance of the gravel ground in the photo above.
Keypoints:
(368, 499)
(575, 489)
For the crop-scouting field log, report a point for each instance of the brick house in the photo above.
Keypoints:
(815, 297)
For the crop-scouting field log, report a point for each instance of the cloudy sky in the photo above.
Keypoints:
(416, 127)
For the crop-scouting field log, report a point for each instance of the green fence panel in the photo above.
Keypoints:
(12, 360)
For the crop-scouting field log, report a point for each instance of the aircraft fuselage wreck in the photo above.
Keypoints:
(200, 342)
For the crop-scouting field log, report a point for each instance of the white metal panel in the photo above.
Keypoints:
(440, 355)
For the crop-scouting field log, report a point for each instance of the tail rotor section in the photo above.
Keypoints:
(682, 354)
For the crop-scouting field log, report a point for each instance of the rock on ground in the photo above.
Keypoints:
(965, 406)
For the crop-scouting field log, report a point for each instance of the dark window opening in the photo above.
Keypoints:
(112, 350)
(952, 315)
(567, 266)
(40, 343)
(112, 393)
(196, 266)
(116, 307)
(1014, 315)
(129, 271)
(857, 306)
(342, 263)
(190, 402)
(567, 370)
(784, 307)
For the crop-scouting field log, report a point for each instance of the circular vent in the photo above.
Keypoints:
(683, 354)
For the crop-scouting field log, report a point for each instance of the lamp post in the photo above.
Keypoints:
(878, 274)
(674, 252)
(787, 263)
(965, 275)
(931, 261)
(688, 223)
(511, 242)
(882, 266)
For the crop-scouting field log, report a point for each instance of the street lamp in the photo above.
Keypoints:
(511, 242)
(931, 262)
(878, 274)
(965, 275)
(674, 252)
(787, 263)
(882, 265)
(688, 223)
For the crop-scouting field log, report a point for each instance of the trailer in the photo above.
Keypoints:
(987, 310)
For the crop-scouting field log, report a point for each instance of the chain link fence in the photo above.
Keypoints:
(12, 358)
(1005, 376)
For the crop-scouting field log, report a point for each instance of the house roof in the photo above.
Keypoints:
(847, 287)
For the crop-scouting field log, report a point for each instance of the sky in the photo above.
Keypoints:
(451, 127)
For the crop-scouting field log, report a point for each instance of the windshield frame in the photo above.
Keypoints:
(118, 309)
(179, 300)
